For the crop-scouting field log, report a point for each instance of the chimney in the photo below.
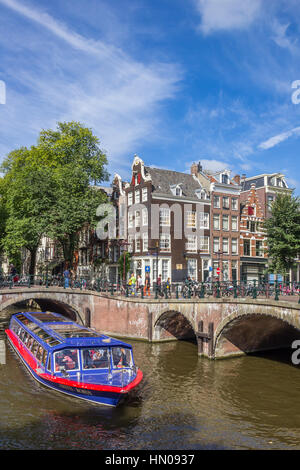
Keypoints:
(237, 179)
(199, 167)
(194, 169)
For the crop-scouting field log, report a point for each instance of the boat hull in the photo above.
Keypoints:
(100, 395)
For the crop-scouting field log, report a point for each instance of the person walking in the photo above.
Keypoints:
(66, 275)
(147, 285)
(132, 283)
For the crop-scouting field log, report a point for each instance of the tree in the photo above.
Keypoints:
(78, 164)
(124, 268)
(27, 193)
(283, 233)
(48, 189)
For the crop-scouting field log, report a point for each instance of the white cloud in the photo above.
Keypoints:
(227, 14)
(73, 77)
(277, 139)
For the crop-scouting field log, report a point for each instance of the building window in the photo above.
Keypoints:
(225, 178)
(246, 247)
(216, 222)
(234, 246)
(164, 217)
(165, 269)
(234, 203)
(225, 202)
(259, 248)
(216, 244)
(137, 218)
(145, 216)
(191, 244)
(215, 267)
(137, 196)
(144, 194)
(251, 226)
(216, 202)
(225, 270)
(130, 241)
(270, 202)
(138, 242)
(130, 220)
(204, 244)
(165, 242)
(145, 241)
(225, 222)
(234, 266)
(234, 223)
(191, 219)
(203, 220)
(225, 245)
(129, 199)
(192, 268)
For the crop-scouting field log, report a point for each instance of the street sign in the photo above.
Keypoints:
(147, 269)
(218, 271)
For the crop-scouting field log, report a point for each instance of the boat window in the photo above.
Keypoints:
(39, 353)
(30, 342)
(22, 334)
(35, 348)
(67, 358)
(121, 357)
(23, 319)
(49, 363)
(26, 337)
(95, 358)
(44, 357)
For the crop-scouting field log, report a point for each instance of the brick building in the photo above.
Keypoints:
(168, 223)
(253, 243)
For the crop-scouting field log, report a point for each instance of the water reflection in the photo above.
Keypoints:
(184, 402)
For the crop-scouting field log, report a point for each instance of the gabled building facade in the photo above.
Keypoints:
(168, 224)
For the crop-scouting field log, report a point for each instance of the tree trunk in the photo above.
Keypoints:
(33, 253)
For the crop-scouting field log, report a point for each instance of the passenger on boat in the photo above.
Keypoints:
(68, 361)
(123, 359)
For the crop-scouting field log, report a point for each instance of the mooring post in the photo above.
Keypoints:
(199, 338)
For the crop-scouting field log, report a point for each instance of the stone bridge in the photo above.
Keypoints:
(221, 327)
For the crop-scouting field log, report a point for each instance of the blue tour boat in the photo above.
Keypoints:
(73, 359)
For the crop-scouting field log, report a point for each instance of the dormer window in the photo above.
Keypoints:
(201, 193)
(224, 178)
(176, 189)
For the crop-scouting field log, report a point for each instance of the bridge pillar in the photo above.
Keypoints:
(205, 341)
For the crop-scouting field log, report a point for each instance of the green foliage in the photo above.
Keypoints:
(283, 233)
(46, 190)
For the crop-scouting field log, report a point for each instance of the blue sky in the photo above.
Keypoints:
(173, 81)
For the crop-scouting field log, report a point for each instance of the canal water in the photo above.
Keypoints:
(184, 402)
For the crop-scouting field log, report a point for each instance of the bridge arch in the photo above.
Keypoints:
(254, 331)
(173, 325)
(48, 302)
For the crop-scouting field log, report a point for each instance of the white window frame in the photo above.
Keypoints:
(145, 241)
(145, 216)
(144, 194)
(191, 244)
(191, 219)
(164, 217)
(204, 220)
(165, 242)
(129, 199)
(137, 196)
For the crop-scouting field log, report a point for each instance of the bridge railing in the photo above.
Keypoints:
(186, 290)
